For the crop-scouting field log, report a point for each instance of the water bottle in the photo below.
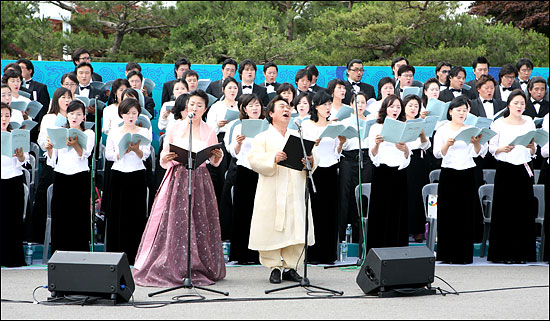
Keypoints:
(343, 251)
(348, 234)
(225, 246)
(28, 254)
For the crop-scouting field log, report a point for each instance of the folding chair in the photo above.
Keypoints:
(430, 189)
(485, 193)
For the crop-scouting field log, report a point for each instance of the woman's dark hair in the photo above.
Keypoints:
(513, 94)
(127, 104)
(332, 84)
(11, 73)
(384, 109)
(13, 65)
(453, 73)
(71, 75)
(407, 99)
(271, 107)
(319, 99)
(113, 99)
(179, 105)
(381, 83)
(301, 74)
(4, 105)
(244, 101)
(286, 87)
(228, 80)
(61, 91)
(427, 84)
(354, 97)
(75, 105)
(200, 93)
(129, 91)
(297, 99)
(458, 102)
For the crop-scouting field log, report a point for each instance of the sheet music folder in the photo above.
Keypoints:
(294, 153)
(198, 158)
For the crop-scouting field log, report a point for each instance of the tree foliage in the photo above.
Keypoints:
(532, 15)
(285, 32)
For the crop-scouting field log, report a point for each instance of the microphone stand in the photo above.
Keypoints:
(92, 178)
(360, 160)
(187, 282)
(304, 283)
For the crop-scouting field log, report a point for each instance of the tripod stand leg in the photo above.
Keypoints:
(165, 290)
(211, 290)
(283, 288)
(325, 289)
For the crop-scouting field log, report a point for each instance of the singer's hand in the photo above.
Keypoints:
(240, 139)
(19, 154)
(424, 114)
(222, 123)
(317, 141)
(379, 139)
(169, 157)
(280, 156)
(26, 114)
(310, 159)
(165, 114)
(90, 110)
(342, 140)
(218, 154)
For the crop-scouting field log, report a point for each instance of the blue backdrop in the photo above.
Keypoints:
(50, 72)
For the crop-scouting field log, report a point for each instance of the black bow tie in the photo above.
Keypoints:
(455, 90)
(537, 102)
(268, 84)
(507, 88)
(85, 87)
(521, 82)
(488, 101)
(28, 81)
(244, 87)
(355, 84)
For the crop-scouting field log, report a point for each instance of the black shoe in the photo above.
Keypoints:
(291, 275)
(275, 276)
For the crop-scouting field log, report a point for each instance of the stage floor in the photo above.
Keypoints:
(250, 282)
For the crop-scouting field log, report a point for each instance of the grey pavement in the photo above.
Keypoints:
(247, 299)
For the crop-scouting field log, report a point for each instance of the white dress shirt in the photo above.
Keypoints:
(460, 156)
(328, 147)
(231, 142)
(247, 91)
(504, 93)
(217, 113)
(111, 119)
(126, 162)
(68, 162)
(48, 121)
(544, 149)
(387, 154)
(353, 143)
(489, 108)
(163, 123)
(506, 133)
(535, 105)
(12, 167)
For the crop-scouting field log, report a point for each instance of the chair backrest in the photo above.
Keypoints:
(434, 175)
(537, 175)
(27, 176)
(34, 148)
(49, 200)
(489, 176)
(34, 166)
(428, 189)
(153, 159)
(25, 200)
(485, 193)
(365, 189)
(538, 190)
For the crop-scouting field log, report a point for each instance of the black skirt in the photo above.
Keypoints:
(40, 206)
(128, 213)
(325, 220)
(544, 179)
(226, 208)
(348, 179)
(71, 229)
(417, 177)
(244, 193)
(388, 216)
(12, 195)
(456, 201)
(513, 229)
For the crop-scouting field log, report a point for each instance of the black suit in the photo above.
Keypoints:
(150, 105)
(215, 89)
(415, 83)
(498, 95)
(532, 112)
(478, 109)
(43, 97)
(275, 86)
(363, 87)
(93, 92)
(317, 88)
(259, 90)
(516, 84)
(446, 95)
(96, 77)
(472, 83)
(167, 91)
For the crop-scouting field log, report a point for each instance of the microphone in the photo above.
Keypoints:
(191, 115)
(298, 124)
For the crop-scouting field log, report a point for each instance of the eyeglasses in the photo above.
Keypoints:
(69, 85)
(356, 70)
(407, 75)
(85, 58)
(445, 71)
(509, 77)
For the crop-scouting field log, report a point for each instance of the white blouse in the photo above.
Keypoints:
(12, 167)
(164, 123)
(460, 156)
(126, 162)
(68, 162)
(353, 143)
(246, 146)
(111, 119)
(544, 149)
(387, 152)
(48, 121)
(328, 147)
(217, 113)
(506, 133)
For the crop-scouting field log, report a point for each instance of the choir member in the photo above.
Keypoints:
(417, 172)
(127, 215)
(354, 74)
(302, 104)
(524, 66)
(69, 81)
(111, 119)
(457, 193)
(386, 87)
(162, 255)
(455, 84)
(287, 91)
(270, 74)
(278, 219)
(16, 115)
(246, 180)
(388, 223)
(135, 78)
(71, 186)
(441, 71)
(431, 90)
(180, 66)
(324, 202)
(12, 196)
(514, 206)
(247, 72)
(303, 80)
(166, 116)
(81, 55)
(480, 67)
(229, 68)
(405, 78)
(314, 77)
(337, 89)
(506, 77)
